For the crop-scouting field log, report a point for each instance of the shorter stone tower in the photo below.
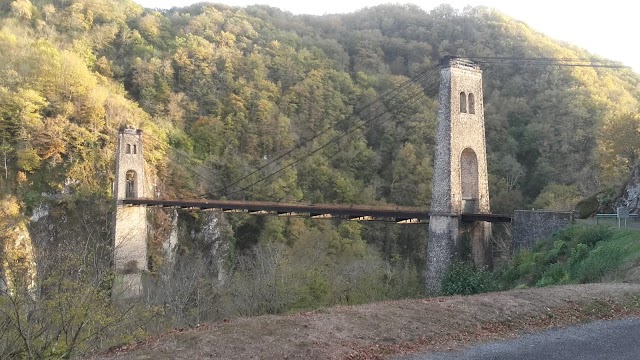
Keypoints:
(460, 181)
(130, 238)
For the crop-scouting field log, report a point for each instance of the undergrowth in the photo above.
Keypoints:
(462, 278)
(576, 255)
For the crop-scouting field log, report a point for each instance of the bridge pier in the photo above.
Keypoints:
(460, 188)
(441, 248)
(130, 235)
(460, 181)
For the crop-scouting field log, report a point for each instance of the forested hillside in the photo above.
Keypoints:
(234, 87)
(227, 96)
(222, 91)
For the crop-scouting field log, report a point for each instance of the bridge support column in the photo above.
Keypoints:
(479, 233)
(130, 233)
(460, 181)
(441, 248)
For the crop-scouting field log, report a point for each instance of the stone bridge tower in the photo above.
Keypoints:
(460, 181)
(130, 238)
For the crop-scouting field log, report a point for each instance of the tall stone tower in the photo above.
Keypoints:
(460, 181)
(130, 238)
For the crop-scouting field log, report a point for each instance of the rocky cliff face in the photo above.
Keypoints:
(18, 260)
(73, 235)
(630, 194)
(86, 228)
(177, 234)
(212, 235)
(33, 247)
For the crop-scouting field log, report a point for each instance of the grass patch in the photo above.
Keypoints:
(576, 255)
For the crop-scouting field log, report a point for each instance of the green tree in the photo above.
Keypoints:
(619, 146)
(558, 197)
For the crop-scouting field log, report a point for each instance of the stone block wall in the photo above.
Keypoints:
(460, 180)
(532, 226)
(130, 234)
(460, 132)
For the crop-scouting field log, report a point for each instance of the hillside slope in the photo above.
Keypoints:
(257, 103)
(223, 91)
(381, 330)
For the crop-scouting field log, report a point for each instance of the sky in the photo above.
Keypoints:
(604, 28)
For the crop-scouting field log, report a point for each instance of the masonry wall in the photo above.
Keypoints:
(441, 247)
(467, 133)
(130, 235)
(460, 181)
(532, 226)
(441, 201)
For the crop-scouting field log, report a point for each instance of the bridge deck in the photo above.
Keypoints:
(397, 214)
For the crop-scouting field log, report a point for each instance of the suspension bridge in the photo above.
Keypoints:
(386, 213)
(460, 194)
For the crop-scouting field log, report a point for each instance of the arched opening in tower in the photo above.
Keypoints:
(131, 184)
(463, 102)
(469, 181)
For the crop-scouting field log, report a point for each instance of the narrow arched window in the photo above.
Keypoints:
(469, 183)
(472, 104)
(135, 149)
(463, 102)
(130, 190)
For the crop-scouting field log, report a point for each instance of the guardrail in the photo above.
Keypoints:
(615, 216)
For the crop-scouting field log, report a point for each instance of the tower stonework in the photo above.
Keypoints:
(130, 238)
(460, 180)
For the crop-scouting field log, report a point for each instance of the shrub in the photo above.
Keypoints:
(578, 254)
(555, 275)
(600, 261)
(462, 278)
(574, 255)
(587, 207)
(559, 249)
(593, 235)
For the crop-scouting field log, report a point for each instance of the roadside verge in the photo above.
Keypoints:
(393, 328)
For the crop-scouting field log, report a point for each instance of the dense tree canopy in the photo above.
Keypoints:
(223, 91)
